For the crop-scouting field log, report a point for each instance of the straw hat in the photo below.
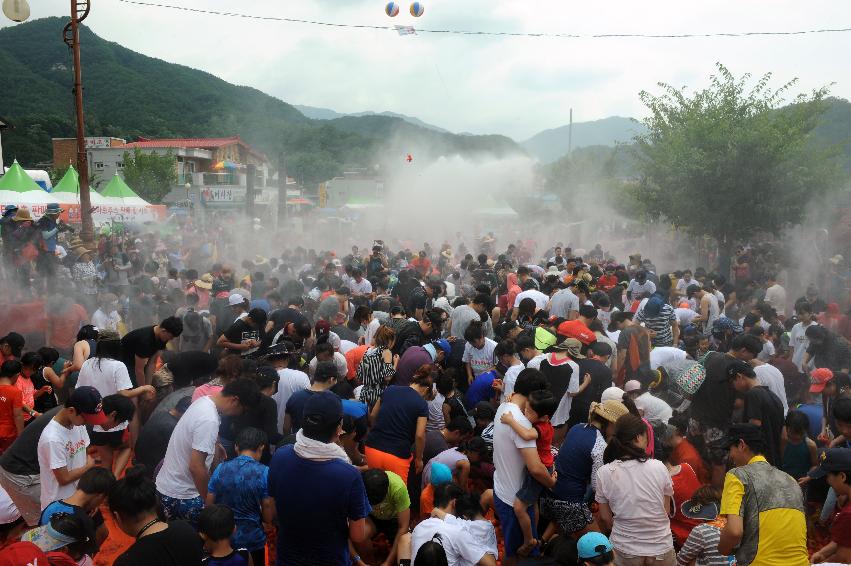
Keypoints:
(206, 282)
(23, 215)
(610, 410)
(79, 251)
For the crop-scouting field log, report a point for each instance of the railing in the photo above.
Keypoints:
(220, 179)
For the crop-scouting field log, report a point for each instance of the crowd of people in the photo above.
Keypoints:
(524, 406)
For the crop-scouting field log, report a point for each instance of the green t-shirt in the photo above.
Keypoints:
(397, 499)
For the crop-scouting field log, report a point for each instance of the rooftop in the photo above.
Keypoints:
(203, 143)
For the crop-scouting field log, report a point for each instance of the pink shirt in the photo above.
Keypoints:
(27, 388)
(205, 391)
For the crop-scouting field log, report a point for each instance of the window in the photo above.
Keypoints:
(120, 165)
(98, 165)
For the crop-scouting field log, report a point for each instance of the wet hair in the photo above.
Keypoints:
(246, 390)
(377, 485)
(172, 325)
(474, 332)
(460, 424)
(797, 422)
(526, 306)
(251, 438)
(468, 506)
(446, 492)
(842, 409)
(504, 348)
(10, 368)
(122, 406)
(72, 525)
(530, 380)
(216, 522)
(600, 348)
(96, 481)
(87, 332)
(134, 494)
(587, 311)
(445, 383)
(543, 402)
(384, 336)
(748, 342)
(108, 349)
(620, 447)
(31, 360)
(431, 553)
(49, 356)
(475, 445)
(423, 376)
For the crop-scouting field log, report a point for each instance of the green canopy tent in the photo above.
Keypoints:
(117, 193)
(16, 187)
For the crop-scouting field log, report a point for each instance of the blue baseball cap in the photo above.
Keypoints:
(592, 545)
(444, 345)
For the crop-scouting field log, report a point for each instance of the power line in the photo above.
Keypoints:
(492, 33)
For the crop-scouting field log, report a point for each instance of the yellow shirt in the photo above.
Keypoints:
(782, 531)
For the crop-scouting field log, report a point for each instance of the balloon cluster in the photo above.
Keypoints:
(392, 9)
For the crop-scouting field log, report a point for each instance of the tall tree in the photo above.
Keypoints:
(730, 161)
(152, 176)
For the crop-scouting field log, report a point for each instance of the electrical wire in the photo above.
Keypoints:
(494, 33)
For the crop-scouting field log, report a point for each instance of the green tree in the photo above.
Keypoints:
(730, 161)
(152, 176)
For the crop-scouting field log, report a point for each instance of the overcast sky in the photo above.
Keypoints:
(511, 86)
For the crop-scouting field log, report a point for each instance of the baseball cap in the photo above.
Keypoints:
(612, 393)
(694, 509)
(577, 329)
(632, 385)
(740, 367)
(279, 350)
(235, 299)
(87, 401)
(48, 539)
(593, 544)
(323, 328)
(833, 460)
(748, 432)
(23, 552)
(444, 345)
(819, 378)
(322, 409)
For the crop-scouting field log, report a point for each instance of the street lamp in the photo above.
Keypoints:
(16, 10)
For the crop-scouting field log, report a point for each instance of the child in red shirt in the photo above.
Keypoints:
(539, 410)
(11, 406)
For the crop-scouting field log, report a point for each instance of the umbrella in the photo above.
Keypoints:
(16, 187)
(299, 200)
(225, 165)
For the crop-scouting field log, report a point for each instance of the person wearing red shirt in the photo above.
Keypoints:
(11, 405)
(422, 264)
(684, 452)
(607, 281)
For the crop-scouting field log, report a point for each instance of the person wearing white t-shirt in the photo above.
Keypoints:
(531, 292)
(478, 355)
(775, 296)
(685, 281)
(62, 458)
(460, 547)
(798, 340)
(511, 456)
(291, 380)
(185, 471)
(109, 376)
(771, 377)
(665, 354)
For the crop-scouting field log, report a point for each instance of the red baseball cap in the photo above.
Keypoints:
(577, 329)
(819, 378)
(22, 553)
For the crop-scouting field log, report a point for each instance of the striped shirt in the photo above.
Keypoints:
(660, 324)
(702, 547)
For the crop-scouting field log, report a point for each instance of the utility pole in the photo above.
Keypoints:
(282, 190)
(570, 134)
(71, 36)
(249, 190)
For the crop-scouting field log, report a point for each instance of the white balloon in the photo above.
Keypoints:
(16, 10)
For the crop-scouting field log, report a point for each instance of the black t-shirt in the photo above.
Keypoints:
(240, 332)
(46, 401)
(766, 407)
(178, 545)
(282, 317)
(141, 342)
(153, 440)
(189, 366)
(21, 458)
(417, 300)
(601, 379)
(713, 403)
(409, 334)
(262, 417)
(295, 407)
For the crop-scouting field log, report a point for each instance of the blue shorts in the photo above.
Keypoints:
(188, 510)
(511, 532)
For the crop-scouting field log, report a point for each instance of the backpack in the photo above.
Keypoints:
(195, 333)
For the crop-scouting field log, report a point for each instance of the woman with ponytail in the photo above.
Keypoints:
(133, 503)
(636, 498)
